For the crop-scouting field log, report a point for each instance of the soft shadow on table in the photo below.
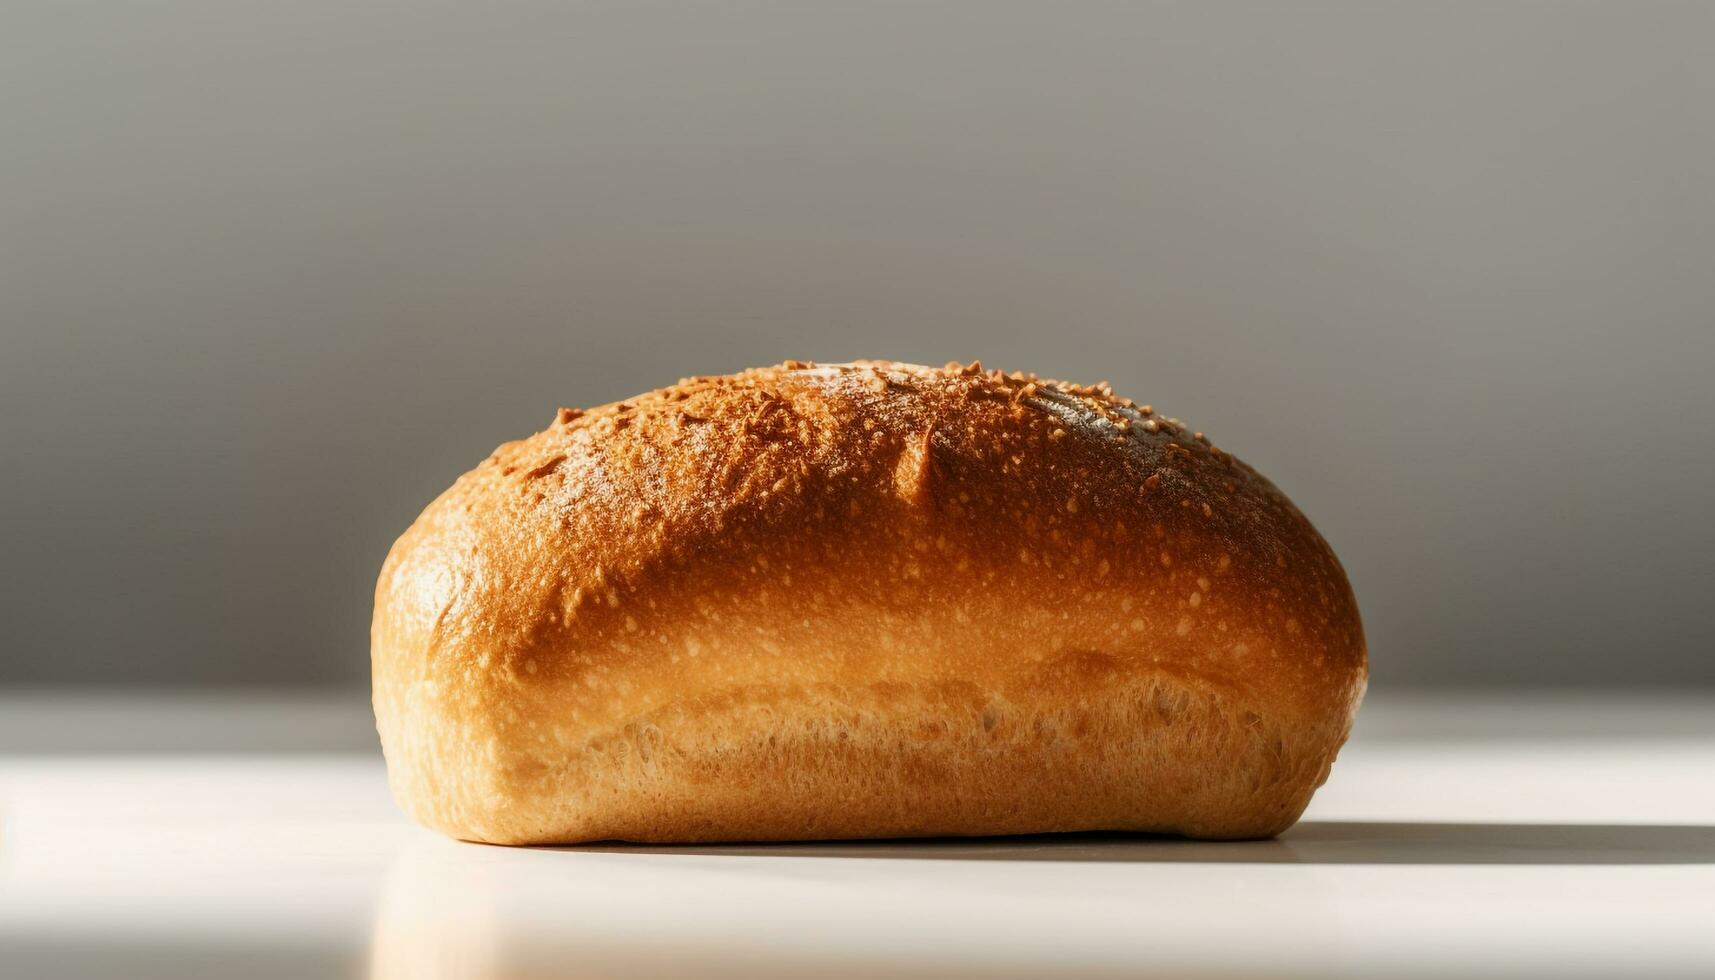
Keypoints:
(1310, 842)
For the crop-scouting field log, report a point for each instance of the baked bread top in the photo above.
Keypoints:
(851, 524)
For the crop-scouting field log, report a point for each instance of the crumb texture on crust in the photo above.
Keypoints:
(862, 600)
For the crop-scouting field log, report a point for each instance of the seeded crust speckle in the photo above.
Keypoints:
(862, 600)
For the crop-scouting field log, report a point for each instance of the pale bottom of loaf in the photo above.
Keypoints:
(1161, 755)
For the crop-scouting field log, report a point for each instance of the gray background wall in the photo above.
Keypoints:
(272, 274)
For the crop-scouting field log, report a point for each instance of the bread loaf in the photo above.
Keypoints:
(862, 600)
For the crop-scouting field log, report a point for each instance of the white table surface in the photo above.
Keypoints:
(1456, 837)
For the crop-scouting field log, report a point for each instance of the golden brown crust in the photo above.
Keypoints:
(872, 599)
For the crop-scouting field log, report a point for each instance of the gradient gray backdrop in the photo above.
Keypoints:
(272, 274)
